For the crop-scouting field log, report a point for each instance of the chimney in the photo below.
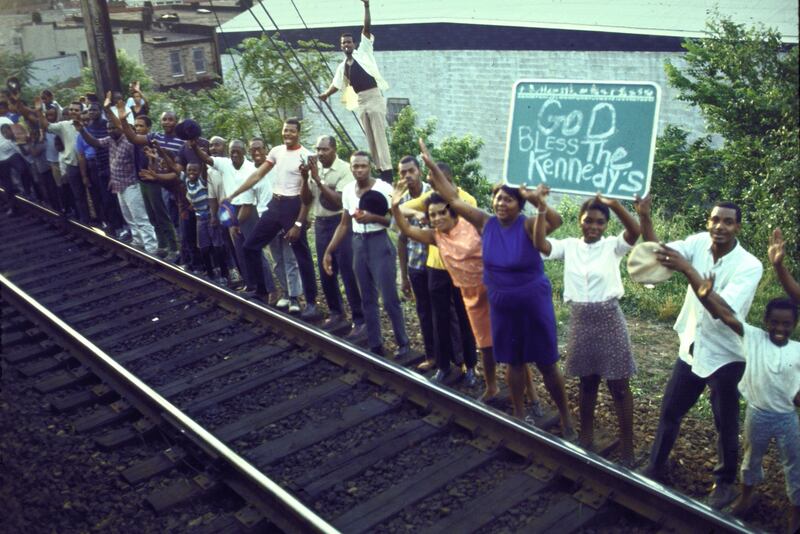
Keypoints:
(147, 16)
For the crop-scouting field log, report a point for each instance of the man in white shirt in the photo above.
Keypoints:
(374, 255)
(359, 78)
(286, 211)
(286, 270)
(233, 172)
(10, 158)
(710, 353)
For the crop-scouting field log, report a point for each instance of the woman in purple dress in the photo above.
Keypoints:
(520, 296)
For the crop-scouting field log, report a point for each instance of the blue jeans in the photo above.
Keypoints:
(281, 214)
(760, 426)
(286, 270)
(375, 265)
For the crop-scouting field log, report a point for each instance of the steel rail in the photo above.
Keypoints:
(668, 508)
(282, 508)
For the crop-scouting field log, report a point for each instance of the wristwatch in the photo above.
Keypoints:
(298, 224)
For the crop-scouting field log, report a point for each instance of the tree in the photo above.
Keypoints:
(461, 153)
(130, 70)
(676, 168)
(220, 110)
(18, 66)
(284, 75)
(745, 82)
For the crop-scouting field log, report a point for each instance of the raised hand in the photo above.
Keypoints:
(535, 196)
(643, 205)
(610, 202)
(107, 101)
(426, 155)
(399, 192)
(776, 251)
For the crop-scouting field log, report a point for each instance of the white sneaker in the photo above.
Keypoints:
(294, 306)
(282, 303)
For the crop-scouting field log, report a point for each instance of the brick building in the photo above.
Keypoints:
(456, 60)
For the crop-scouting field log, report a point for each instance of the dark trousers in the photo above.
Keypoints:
(375, 265)
(188, 233)
(422, 300)
(446, 299)
(105, 203)
(246, 228)
(158, 215)
(281, 214)
(7, 181)
(683, 390)
(75, 181)
(324, 228)
(51, 192)
(25, 172)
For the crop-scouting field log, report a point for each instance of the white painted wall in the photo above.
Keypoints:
(47, 72)
(45, 41)
(469, 91)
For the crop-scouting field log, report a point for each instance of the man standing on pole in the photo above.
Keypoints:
(361, 81)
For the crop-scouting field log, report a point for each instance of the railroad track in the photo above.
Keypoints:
(314, 433)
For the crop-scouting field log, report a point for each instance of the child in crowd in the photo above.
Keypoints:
(771, 387)
(209, 238)
(598, 346)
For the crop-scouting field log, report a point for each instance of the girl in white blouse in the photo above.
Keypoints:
(598, 343)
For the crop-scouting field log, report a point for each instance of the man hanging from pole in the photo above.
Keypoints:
(362, 85)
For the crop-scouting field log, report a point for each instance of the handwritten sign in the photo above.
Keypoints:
(582, 137)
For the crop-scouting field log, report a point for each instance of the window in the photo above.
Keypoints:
(199, 58)
(84, 58)
(393, 108)
(175, 63)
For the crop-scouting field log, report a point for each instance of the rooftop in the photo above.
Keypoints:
(676, 18)
(157, 38)
(201, 15)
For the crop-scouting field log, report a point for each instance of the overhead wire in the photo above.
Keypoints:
(313, 96)
(236, 68)
(322, 56)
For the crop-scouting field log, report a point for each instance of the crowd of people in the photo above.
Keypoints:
(240, 213)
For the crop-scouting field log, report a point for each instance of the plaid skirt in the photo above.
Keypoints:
(598, 342)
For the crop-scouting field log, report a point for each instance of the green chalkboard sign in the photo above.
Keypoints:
(582, 137)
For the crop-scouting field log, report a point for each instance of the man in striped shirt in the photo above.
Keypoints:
(124, 183)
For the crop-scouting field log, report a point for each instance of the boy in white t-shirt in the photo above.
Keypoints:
(771, 387)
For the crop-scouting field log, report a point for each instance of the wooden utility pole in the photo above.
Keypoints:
(100, 41)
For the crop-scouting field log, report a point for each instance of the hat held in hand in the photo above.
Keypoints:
(188, 130)
(643, 265)
(374, 202)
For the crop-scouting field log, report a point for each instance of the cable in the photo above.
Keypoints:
(236, 68)
(311, 36)
(308, 75)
